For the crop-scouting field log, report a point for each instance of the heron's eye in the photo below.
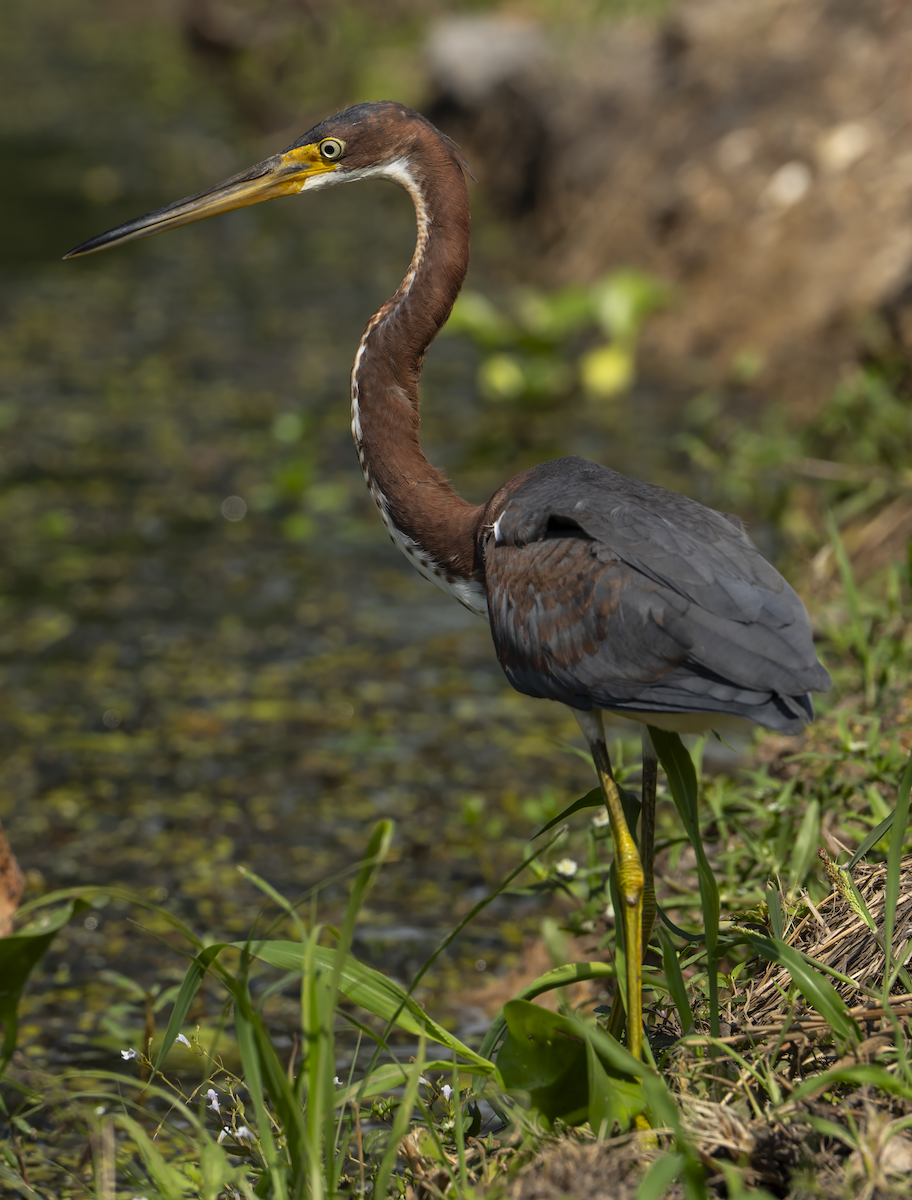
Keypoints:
(331, 148)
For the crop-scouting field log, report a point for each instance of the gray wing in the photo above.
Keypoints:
(603, 591)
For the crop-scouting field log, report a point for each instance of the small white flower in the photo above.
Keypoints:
(566, 868)
(180, 1038)
(600, 820)
(337, 1081)
(221, 1137)
(447, 1091)
(426, 1082)
(244, 1135)
(126, 1055)
(212, 1097)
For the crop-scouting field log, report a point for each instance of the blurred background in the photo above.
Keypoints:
(691, 261)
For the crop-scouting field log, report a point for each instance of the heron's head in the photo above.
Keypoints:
(369, 140)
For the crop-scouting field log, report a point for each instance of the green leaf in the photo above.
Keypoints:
(196, 972)
(614, 1103)
(682, 779)
(818, 992)
(556, 978)
(369, 988)
(400, 1125)
(660, 1176)
(544, 1054)
(872, 839)
(894, 873)
(593, 799)
(19, 954)
(864, 1075)
(172, 1183)
(674, 977)
(774, 910)
(805, 849)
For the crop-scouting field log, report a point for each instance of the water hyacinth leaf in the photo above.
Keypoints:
(370, 989)
(544, 1054)
(19, 954)
(819, 992)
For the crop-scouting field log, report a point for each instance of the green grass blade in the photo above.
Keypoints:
(660, 1176)
(871, 840)
(894, 873)
(859, 633)
(593, 799)
(864, 1075)
(674, 978)
(244, 1019)
(400, 1125)
(774, 909)
(682, 779)
(171, 1182)
(818, 992)
(804, 852)
(196, 973)
(371, 990)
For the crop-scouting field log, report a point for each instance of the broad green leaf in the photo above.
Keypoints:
(369, 988)
(544, 1054)
(556, 978)
(614, 1103)
(19, 954)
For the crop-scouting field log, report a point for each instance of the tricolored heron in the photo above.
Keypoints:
(602, 592)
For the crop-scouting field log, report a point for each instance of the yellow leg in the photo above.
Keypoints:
(629, 872)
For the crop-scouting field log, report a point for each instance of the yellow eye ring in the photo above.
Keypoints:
(331, 149)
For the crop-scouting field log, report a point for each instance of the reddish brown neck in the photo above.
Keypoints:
(419, 506)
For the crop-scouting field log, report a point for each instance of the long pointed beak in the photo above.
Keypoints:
(282, 175)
